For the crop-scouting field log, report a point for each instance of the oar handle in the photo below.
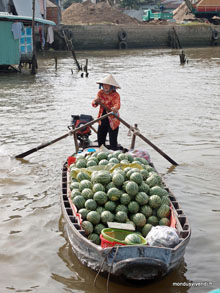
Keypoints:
(140, 135)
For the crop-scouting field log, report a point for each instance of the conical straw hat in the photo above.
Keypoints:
(109, 80)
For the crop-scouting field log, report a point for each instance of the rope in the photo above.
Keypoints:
(109, 273)
(102, 266)
(135, 131)
(129, 131)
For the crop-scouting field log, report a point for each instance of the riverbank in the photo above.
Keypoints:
(132, 36)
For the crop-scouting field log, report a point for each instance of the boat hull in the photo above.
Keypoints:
(131, 262)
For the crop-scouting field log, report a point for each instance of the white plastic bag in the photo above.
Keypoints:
(163, 236)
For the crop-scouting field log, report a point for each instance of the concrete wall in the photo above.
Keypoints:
(100, 37)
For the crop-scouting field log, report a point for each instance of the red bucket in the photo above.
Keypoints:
(105, 243)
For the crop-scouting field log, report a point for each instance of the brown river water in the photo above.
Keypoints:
(176, 107)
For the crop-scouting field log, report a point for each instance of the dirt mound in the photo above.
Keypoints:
(182, 13)
(89, 13)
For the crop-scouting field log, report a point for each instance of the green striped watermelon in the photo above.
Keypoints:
(139, 219)
(133, 238)
(90, 204)
(100, 197)
(93, 217)
(87, 227)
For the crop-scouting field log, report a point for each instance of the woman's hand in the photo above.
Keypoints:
(115, 110)
(96, 101)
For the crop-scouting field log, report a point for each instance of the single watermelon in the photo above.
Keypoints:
(144, 187)
(98, 187)
(87, 227)
(153, 220)
(90, 204)
(133, 238)
(91, 163)
(131, 188)
(82, 175)
(122, 157)
(133, 207)
(110, 206)
(74, 185)
(163, 211)
(98, 228)
(146, 229)
(102, 156)
(122, 208)
(85, 184)
(155, 201)
(79, 201)
(94, 238)
(110, 156)
(142, 198)
(100, 197)
(146, 210)
(83, 212)
(75, 192)
(125, 199)
(165, 200)
(107, 216)
(118, 179)
(153, 180)
(114, 194)
(103, 162)
(164, 222)
(93, 217)
(121, 217)
(87, 193)
(103, 177)
(159, 191)
(139, 219)
(130, 158)
(81, 163)
(114, 160)
(136, 177)
(144, 173)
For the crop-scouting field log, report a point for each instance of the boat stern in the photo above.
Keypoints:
(140, 269)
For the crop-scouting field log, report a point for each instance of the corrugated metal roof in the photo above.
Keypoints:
(9, 49)
(25, 18)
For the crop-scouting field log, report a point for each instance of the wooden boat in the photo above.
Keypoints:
(129, 262)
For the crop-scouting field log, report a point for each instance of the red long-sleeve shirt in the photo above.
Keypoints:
(111, 100)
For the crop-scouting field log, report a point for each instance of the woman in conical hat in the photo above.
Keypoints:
(109, 97)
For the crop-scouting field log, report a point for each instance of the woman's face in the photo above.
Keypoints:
(106, 88)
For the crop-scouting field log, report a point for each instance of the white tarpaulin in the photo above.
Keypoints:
(24, 8)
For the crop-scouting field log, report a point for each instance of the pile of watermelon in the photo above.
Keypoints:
(117, 187)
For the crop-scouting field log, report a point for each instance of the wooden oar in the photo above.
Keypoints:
(61, 137)
(140, 135)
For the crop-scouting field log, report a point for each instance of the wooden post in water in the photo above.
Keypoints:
(55, 58)
(34, 59)
(86, 68)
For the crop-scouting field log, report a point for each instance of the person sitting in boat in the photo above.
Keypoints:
(110, 98)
